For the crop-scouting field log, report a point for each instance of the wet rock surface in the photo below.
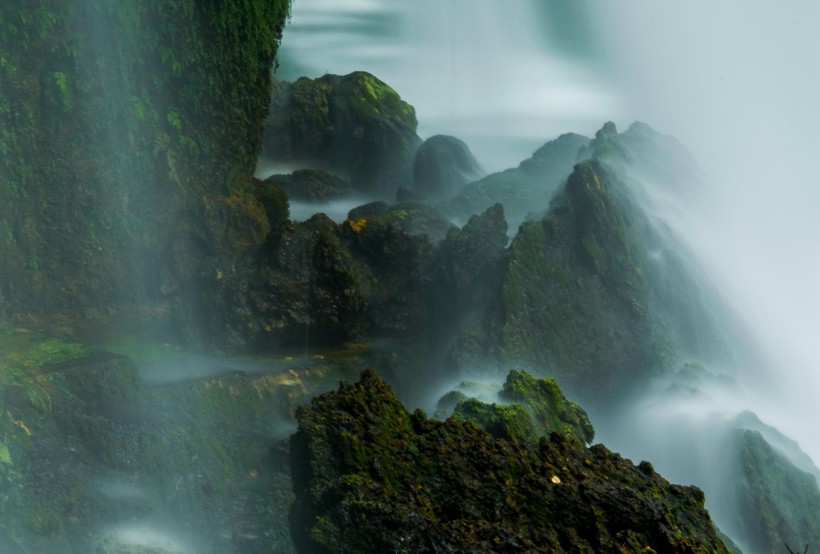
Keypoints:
(379, 479)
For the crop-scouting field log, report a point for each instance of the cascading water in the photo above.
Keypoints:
(494, 75)
(736, 83)
(175, 452)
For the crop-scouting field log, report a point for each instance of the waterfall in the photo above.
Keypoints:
(494, 75)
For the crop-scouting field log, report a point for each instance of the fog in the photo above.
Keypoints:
(451, 60)
(738, 83)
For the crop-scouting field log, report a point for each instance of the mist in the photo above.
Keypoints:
(737, 83)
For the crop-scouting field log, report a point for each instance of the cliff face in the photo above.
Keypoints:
(117, 119)
(370, 477)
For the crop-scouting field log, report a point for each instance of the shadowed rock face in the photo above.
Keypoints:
(442, 166)
(524, 190)
(779, 502)
(117, 120)
(370, 477)
(354, 125)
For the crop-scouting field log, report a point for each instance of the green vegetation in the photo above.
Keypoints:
(114, 115)
(779, 503)
(370, 477)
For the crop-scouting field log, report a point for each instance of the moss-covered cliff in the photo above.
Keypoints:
(116, 119)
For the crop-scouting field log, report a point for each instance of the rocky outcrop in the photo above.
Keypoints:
(443, 165)
(603, 293)
(528, 408)
(371, 477)
(353, 125)
(778, 503)
(311, 185)
(526, 189)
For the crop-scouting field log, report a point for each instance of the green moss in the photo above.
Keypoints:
(503, 421)
(571, 288)
(187, 86)
(551, 411)
(450, 486)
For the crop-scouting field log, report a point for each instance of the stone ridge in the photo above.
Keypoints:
(371, 477)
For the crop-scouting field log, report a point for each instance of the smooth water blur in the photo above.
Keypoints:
(736, 82)
(503, 77)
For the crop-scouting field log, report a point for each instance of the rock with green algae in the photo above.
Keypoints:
(573, 291)
(529, 408)
(778, 503)
(187, 94)
(354, 125)
(371, 477)
(602, 292)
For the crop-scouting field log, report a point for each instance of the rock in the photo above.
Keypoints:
(464, 290)
(306, 292)
(663, 161)
(355, 126)
(442, 166)
(391, 262)
(530, 408)
(602, 293)
(550, 409)
(370, 477)
(574, 288)
(524, 190)
(778, 503)
(605, 146)
(369, 210)
(92, 213)
(312, 185)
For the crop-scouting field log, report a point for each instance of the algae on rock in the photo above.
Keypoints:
(379, 479)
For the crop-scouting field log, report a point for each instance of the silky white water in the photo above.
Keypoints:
(736, 82)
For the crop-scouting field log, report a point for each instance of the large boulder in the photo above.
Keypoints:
(354, 125)
(602, 292)
(779, 503)
(442, 166)
(371, 477)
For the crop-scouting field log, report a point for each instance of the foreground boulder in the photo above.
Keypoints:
(371, 477)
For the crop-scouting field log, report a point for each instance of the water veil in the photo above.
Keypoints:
(735, 83)
(615, 194)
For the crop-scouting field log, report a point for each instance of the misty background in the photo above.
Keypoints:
(736, 82)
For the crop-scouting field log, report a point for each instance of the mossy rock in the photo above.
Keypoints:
(187, 94)
(527, 408)
(779, 502)
(354, 125)
(371, 477)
